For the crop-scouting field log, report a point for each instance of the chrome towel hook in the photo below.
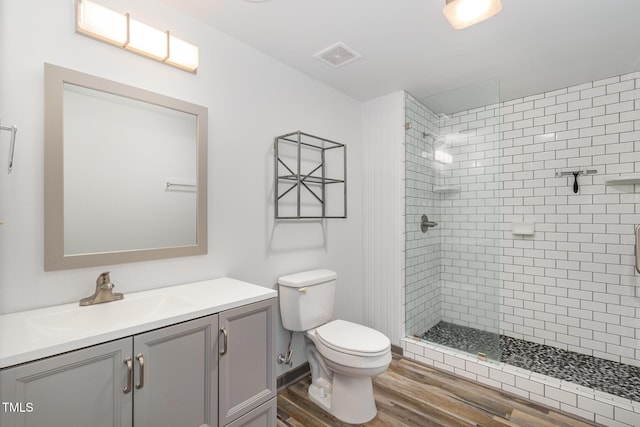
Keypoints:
(12, 144)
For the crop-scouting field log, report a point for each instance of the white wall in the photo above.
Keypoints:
(383, 136)
(251, 98)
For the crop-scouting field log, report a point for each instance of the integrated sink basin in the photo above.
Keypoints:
(43, 332)
(108, 315)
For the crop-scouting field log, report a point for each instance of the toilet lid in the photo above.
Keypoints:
(348, 337)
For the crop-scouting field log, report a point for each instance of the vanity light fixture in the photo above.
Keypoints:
(464, 13)
(109, 26)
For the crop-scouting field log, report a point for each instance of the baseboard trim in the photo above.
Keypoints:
(293, 376)
(396, 349)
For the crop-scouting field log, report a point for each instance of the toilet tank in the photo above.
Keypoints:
(306, 299)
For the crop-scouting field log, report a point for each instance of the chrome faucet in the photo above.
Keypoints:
(103, 293)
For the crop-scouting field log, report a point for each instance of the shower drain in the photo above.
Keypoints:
(517, 359)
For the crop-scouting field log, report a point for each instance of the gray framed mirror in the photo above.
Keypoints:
(125, 173)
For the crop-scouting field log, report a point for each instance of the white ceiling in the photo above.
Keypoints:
(532, 46)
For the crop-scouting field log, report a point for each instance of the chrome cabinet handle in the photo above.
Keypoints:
(223, 331)
(140, 360)
(636, 252)
(127, 388)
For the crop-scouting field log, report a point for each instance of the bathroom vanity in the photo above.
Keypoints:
(193, 355)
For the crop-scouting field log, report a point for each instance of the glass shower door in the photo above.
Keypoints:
(453, 177)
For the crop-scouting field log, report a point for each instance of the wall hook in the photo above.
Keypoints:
(12, 144)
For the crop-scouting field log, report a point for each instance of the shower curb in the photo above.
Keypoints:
(593, 405)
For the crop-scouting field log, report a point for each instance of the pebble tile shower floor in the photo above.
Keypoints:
(600, 374)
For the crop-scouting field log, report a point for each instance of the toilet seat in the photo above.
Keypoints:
(352, 338)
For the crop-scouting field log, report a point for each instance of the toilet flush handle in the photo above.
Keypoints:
(302, 290)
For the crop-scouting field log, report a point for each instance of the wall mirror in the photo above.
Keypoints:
(125, 173)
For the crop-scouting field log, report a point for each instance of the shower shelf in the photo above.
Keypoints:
(624, 179)
(445, 189)
(311, 194)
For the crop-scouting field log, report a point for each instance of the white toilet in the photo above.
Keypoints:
(343, 356)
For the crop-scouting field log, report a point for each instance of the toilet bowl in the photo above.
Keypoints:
(341, 373)
(343, 356)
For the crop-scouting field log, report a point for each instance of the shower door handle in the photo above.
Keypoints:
(636, 252)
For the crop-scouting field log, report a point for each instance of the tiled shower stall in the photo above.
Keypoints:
(570, 288)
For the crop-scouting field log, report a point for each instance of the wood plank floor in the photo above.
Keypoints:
(410, 394)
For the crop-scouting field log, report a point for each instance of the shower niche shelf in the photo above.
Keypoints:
(445, 189)
(624, 179)
(310, 177)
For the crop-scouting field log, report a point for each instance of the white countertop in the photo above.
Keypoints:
(34, 334)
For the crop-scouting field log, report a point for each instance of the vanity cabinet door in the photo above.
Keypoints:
(247, 363)
(80, 388)
(176, 379)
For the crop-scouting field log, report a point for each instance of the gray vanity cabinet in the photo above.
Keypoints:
(217, 370)
(173, 382)
(80, 388)
(247, 366)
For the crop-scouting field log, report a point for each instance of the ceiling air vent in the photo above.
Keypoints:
(337, 55)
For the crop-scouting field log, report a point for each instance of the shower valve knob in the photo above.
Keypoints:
(425, 224)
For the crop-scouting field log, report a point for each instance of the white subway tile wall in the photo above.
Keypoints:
(572, 284)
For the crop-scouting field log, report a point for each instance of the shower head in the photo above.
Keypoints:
(434, 137)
